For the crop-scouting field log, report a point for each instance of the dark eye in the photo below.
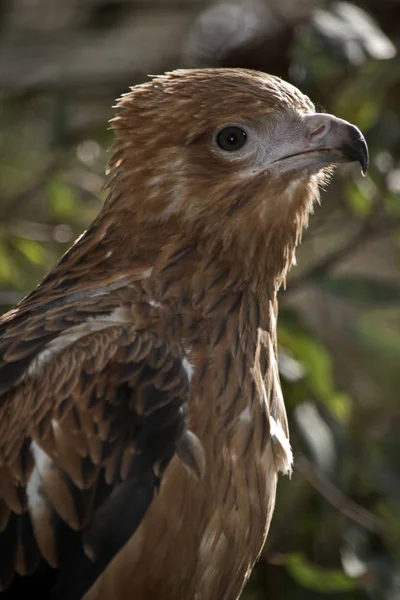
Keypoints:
(231, 138)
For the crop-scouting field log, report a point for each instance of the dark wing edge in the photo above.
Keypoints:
(83, 447)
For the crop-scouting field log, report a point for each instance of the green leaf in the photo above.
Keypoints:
(319, 375)
(358, 202)
(32, 250)
(313, 357)
(314, 577)
(360, 289)
(341, 405)
(62, 200)
(392, 204)
(5, 264)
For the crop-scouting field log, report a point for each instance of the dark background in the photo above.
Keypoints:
(336, 530)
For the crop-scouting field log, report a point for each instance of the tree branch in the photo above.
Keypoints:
(335, 497)
(366, 234)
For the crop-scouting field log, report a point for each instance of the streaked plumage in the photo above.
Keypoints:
(141, 414)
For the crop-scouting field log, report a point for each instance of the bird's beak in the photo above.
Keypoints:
(324, 140)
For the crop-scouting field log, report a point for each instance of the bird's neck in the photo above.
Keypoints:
(249, 253)
(184, 269)
(257, 259)
(251, 226)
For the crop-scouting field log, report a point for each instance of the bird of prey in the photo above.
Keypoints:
(142, 424)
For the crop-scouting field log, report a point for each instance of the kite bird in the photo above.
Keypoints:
(142, 424)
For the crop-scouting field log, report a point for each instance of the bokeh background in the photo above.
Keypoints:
(336, 530)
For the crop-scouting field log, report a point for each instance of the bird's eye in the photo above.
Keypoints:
(231, 138)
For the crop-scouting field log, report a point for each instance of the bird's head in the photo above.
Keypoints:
(233, 158)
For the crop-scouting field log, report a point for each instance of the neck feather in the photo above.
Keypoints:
(253, 237)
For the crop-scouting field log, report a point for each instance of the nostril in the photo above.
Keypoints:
(318, 132)
(354, 133)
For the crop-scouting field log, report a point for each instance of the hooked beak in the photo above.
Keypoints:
(324, 140)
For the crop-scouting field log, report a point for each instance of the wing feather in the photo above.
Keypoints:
(84, 441)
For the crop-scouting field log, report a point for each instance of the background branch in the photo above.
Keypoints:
(366, 234)
(335, 497)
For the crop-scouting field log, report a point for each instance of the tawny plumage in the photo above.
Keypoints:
(142, 424)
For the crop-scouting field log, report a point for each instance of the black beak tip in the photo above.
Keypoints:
(365, 161)
(357, 149)
(363, 156)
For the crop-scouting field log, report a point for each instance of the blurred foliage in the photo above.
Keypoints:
(336, 530)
